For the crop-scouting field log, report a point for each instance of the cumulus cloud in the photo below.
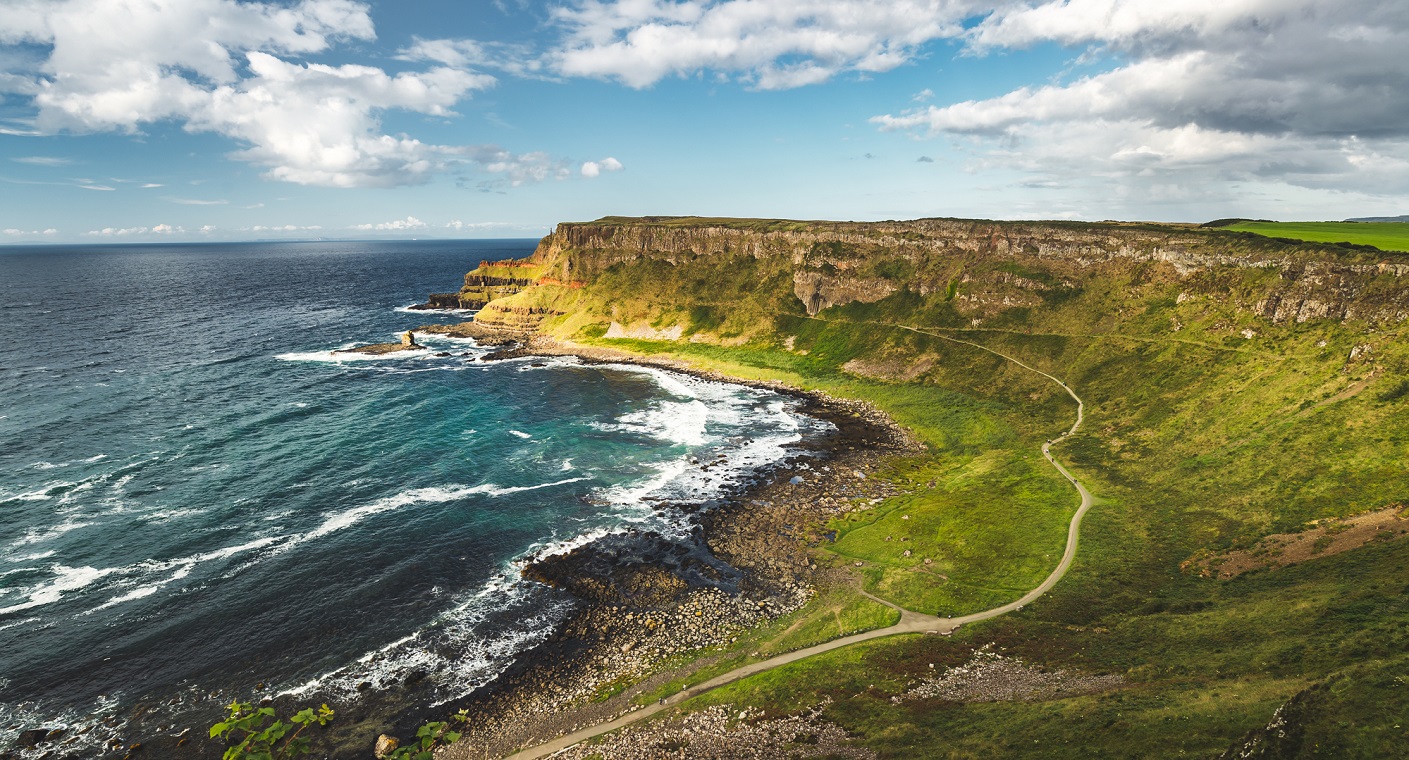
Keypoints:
(769, 45)
(396, 225)
(159, 229)
(234, 69)
(594, 168)
(1304, 92)
(17, 232)
(512, 58)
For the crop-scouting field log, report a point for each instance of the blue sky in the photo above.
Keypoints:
(220, 120)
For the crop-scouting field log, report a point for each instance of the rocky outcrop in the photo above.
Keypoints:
(834, 263)
(976, 270)
(819, 291)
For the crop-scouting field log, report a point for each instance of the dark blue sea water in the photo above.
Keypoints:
(197, 497)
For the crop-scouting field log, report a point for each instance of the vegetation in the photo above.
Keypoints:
(1388, 236)
(1207, 428)
(256, 733)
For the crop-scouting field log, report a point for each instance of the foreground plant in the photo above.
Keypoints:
(430, 737)
(261, 735)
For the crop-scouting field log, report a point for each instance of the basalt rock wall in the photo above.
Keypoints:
(985, 268)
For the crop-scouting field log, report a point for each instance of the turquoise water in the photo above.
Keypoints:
(198, 498)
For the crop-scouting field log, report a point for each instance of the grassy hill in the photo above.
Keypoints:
(1235, 388)
(1388, 236)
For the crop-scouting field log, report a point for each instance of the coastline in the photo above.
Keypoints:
(645, 619)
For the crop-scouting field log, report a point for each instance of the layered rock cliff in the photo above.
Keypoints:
(656, 269)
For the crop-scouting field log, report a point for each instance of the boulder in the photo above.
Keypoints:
(385, 746)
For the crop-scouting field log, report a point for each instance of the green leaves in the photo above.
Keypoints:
(258, 734)
(430, 736)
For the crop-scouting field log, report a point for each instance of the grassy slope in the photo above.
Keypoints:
(1196, 440)
(1389, 236)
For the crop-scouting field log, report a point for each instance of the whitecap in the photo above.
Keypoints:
(138, 593)
(66, 579)
(32, 557)
(520, 434)
(40, 535)
(336, 356)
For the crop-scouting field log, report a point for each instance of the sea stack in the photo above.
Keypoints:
(409, 340)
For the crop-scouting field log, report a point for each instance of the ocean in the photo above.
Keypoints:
(200, 501)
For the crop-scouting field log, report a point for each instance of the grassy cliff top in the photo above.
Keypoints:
(799, 225)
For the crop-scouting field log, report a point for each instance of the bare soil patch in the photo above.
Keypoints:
(1322, 538)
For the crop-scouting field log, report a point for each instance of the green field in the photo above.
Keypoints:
(1208, 426)
(1388, 236)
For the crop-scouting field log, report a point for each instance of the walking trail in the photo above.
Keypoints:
(910, 621)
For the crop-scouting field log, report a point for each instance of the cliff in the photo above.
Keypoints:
(717, 279)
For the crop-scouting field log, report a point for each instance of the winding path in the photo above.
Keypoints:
(910, 621)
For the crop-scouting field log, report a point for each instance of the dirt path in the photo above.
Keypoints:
(910, 621)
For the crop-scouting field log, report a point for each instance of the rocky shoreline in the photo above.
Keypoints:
(653, 610)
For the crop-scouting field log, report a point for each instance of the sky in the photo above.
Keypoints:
(189, 120)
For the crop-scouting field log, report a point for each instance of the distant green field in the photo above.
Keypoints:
(1389, 236)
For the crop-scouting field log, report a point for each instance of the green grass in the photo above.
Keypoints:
(1388, 236)
(1197, 439)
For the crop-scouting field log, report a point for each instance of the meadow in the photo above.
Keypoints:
(1387, 236)
(1198, 439)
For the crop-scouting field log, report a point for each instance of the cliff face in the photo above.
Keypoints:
(980, 269)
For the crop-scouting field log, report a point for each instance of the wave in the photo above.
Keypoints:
(410, 309)
(61, 465)
(436, 494)
(66, 579)
(335, 356)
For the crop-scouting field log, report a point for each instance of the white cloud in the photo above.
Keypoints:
(396, 225)
(159, 229)
(196, 202)
(770, 45)
(594, 168)
(232, 68)
(459, 225)
(90, 186)
(516, 59)
(16, 232)
(515, 169)
(150, 185)
(43, 160)
(281, 228)
(1300, 92)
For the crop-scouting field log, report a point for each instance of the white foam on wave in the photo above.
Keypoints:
(409, 309)
(520, 434)
(20, 622)
(40, 535)
(336, 357)
(66, 579)
(433, 495)
(32, 557)
(138, 593)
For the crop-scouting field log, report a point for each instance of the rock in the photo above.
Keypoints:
(906, 554)
(385, 746)
(409, 339)
(796, 480)
(32, 737)
(441, 354)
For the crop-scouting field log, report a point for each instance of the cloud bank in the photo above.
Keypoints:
(234, 69)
